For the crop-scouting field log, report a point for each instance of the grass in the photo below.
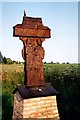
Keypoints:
(63, 77)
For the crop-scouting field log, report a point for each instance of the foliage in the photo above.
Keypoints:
(11, 76)
(66, 79)
(9, 61)
(4, 60)
(1, 57)
(63, 77)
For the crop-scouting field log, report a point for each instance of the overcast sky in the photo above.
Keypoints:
(60, 17)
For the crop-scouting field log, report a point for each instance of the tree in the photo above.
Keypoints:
(51, 62)
(14, 62)
(9, 61)
(1, 57)
(4, 60)
(63, 63)
(44, 62)
(67, 63)
(57, 62)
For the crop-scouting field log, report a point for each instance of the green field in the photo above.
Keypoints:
(65, 78)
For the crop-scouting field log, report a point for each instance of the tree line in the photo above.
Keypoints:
(5, 60)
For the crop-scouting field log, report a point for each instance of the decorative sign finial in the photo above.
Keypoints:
(24, 13)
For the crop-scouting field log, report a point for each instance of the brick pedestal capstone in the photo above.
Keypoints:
(41, 107)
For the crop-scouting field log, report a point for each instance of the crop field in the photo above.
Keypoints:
(65, 78)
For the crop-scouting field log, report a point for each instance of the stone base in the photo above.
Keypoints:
(40, 107)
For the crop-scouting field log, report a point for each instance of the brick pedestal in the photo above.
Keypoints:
(41, 107)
